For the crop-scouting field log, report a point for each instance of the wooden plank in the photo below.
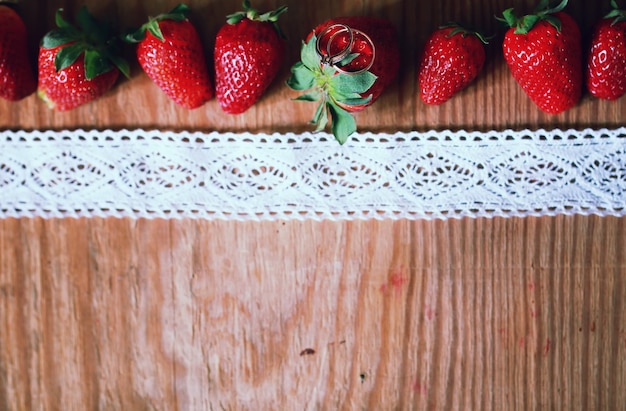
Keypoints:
(470, 314)
(463, 314)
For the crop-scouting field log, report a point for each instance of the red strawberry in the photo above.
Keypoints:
(77, 65)
(17, 79)
(452, 58)
(346, 63)
(543, 52)
(170, 52)
(249, 52)
(606, 63)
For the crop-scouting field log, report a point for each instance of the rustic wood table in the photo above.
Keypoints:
(134, 314)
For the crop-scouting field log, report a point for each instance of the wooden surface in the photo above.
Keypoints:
(500, 314)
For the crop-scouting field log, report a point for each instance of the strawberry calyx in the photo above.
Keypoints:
(178, 13)
(544, 11)
(326, 74)
(464, 31)
(92, 38)
(254, 15)
(616, 14)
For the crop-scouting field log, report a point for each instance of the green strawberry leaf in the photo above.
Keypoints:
(344, 96)
(68, 55)
(347, 86)
(545, 7)
(526, 23)
(348, 59)
(320, 118)
(508, 17)
(95, 64)
(153, 27)
(616, 13)
(178, 13)
(301, 78)
(235, 17)
(97, 31)
(308, 54)
(357, 101)
(66, 33)
(273, 15)
(121, 64)
(134, 36)
(270, 16)
(554, 21)
(61, 22)
(56, 38)
(343, 124)
(613, 13)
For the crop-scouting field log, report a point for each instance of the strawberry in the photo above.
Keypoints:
(606, 62)
(544, 54)
(249, 52)
(170, 52)
(452, 58)
(17, 78)
(78, 64)
(346, 63)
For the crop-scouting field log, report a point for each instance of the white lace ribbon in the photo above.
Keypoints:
(157, 174)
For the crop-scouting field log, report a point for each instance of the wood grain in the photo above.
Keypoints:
(472, 314)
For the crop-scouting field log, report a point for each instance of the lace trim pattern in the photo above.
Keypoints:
(430, 175)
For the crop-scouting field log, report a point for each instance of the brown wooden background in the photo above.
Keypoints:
(502, 314)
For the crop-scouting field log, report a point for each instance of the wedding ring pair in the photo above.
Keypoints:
(334, 59)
